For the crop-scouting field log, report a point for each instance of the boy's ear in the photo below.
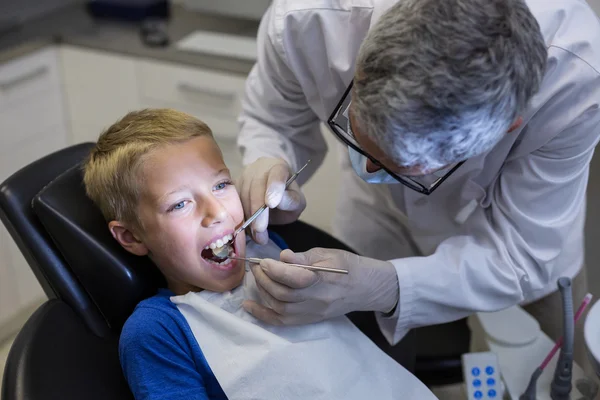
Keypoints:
(127, 238)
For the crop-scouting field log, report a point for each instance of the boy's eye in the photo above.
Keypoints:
(177, 206)
(222, 185)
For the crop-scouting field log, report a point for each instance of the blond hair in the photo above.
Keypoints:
(111, 171)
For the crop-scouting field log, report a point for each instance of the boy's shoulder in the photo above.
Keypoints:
(154, 316)
(160, 356)
(156, 307)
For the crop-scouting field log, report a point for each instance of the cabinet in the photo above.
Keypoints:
(32, 124)
(211, 96)
(100, 87)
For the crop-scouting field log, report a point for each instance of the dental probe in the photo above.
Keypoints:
(264, 207)
(224, 250)
(309, 267)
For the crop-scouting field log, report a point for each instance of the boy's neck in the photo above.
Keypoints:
(180, 288)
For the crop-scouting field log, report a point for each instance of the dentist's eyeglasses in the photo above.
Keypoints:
(339, 124)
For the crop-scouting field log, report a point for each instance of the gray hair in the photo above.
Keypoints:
(440, 81)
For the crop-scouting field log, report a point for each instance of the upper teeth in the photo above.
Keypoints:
(220, 242)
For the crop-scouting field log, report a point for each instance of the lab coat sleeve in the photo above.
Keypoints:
(276, 120)
(508, 251)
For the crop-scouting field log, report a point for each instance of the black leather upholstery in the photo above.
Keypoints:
(65, 350)
(56, 357)
(114, 279)
(16, 194)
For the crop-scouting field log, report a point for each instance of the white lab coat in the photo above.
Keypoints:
(503, 227)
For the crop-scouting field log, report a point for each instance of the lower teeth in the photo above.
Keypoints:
(226, 261)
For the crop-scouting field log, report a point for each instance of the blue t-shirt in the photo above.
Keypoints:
(160, 356)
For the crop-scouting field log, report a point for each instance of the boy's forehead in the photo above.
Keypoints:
(201, 151)
(181, 163)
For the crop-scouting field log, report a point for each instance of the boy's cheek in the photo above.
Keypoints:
(240, 243)
(236, 210)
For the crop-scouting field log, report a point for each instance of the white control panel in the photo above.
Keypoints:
(517, 359)
(481, 374)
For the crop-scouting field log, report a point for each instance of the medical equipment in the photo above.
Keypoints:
(518, 342)
(591, 332)
(586, 301)
(482, 376)
(223, 252)
(309, 267)
(561, 384)
(530, 392)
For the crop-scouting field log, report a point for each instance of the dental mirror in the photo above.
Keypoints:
(223, 251)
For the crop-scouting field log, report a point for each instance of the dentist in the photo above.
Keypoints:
(466, 128)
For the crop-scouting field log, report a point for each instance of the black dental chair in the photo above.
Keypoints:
(68, 347)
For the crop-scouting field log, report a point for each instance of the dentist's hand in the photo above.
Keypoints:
(292, 295)
(264, 182)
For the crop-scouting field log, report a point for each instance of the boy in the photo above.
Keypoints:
(159, 179)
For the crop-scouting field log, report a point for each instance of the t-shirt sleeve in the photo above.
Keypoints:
(157, 360)
(278, 240)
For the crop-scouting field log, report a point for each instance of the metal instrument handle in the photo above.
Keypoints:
(309, 267)
(264, 207)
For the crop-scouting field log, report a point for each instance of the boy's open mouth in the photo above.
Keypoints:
(226, 241)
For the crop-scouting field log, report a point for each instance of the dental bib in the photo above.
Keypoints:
(328, 360)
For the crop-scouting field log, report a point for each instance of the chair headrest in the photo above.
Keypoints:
(36, 245)
(115, 279)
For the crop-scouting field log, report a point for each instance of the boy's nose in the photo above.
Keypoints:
(214, 212)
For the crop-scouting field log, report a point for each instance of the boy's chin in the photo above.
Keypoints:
(229, 284)
(216, 279)
(218, 287)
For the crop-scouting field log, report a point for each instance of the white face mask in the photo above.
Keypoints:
(359, 163)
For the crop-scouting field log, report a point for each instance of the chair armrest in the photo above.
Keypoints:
(55, 356)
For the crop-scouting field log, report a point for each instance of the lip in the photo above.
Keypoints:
(232, 264)
(229, 266)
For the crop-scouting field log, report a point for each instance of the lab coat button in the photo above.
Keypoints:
(421, 202)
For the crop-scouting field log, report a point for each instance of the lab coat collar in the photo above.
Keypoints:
(379, 9)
